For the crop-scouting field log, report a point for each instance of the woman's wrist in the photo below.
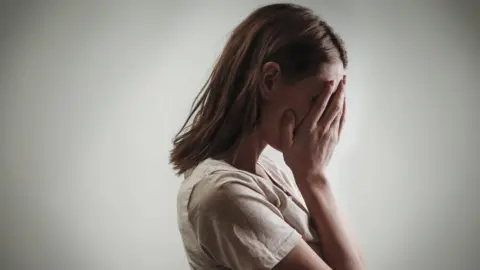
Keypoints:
(316, 192)
(311, 180)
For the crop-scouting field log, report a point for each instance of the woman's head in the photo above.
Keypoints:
(275, 60)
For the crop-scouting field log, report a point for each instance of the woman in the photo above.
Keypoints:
(280, 82)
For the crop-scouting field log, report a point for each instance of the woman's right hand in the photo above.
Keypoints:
(307, 149)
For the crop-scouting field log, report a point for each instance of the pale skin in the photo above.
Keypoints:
(306, 133)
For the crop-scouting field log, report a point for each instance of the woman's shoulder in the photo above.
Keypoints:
(213, 181)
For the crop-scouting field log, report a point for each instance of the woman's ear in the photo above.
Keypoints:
(270, 79)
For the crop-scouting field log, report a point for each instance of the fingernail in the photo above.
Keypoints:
(291, 117)
(289, 114)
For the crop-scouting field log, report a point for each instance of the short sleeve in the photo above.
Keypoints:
(239, 228)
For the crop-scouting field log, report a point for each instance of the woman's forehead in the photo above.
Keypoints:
(331, 71)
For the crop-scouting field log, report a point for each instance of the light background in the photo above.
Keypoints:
(92, 93)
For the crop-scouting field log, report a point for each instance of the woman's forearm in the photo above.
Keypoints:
(338, 249)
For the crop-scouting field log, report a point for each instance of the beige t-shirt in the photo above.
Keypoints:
(232, 219)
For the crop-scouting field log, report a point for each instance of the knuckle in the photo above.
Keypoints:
(328, 92)
(321, 128)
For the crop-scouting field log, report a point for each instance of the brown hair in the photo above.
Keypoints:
(228, 106)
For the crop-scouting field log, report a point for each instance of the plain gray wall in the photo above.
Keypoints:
(92, 93)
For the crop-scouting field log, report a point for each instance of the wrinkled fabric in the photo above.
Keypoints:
(232, 219)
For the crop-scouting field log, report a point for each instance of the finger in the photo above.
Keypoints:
(325, 98)
(286, 130)
(334, 107)
(320, 103)
(335, 126)
(342, 119)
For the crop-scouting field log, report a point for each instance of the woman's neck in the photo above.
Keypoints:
(247, 153)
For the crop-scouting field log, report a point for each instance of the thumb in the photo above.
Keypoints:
(287, 129)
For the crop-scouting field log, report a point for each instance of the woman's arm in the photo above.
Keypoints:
(338, 248)
(307, 152)
(302, 257)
